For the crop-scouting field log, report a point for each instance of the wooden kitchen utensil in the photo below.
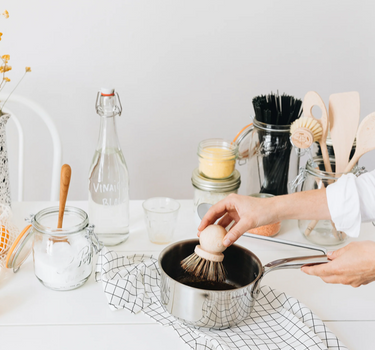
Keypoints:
(365, 143)
(66, 173)
(344, 111)
(365, 140)
(310, 100)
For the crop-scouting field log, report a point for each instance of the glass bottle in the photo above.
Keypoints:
(108, 176)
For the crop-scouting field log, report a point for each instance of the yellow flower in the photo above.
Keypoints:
(5, 58)
(4, 69)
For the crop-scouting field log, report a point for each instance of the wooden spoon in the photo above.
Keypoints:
(66, 173)
(343, 118)
(365, 140)
(310, 100)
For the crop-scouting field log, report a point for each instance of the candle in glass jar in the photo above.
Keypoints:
(217, 158)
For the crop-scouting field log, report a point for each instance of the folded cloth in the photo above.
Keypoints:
(276, 322)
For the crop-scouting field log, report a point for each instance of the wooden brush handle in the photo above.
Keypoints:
(66, 173)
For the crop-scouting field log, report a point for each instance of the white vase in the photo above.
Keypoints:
(4, 166)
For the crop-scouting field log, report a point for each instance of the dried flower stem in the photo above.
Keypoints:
(5, 68)
(2, 106)
(3, 80)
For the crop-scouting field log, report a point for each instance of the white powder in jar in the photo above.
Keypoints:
(62, 264)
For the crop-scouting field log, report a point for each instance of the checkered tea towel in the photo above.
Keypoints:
(276, 322)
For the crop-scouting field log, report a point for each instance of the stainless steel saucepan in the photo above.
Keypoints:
(219, 306)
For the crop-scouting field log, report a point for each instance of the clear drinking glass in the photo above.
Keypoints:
(161, 217)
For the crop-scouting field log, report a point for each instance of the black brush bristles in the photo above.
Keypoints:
(204, 269)
(277, 110)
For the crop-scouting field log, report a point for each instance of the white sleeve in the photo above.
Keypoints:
(351, 200)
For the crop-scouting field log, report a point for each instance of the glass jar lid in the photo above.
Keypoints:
(45, 221)
(242, 140)
(231, 183)
(20, 249)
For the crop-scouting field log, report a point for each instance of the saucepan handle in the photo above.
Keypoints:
(281, 241)
(289, 263)
(295, 262)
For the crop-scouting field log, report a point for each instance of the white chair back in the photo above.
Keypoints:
(57, 149)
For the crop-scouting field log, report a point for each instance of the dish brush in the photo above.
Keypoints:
(304, 131)
(207, 260)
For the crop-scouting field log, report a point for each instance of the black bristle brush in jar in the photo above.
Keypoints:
(206, 262)
(273, 110)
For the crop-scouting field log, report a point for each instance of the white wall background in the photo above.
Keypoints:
(185, 71)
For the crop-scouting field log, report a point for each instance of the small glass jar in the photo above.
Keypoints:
(217, 158)
(270, 230)
(209, 191)
(63, 257)
(312, 177)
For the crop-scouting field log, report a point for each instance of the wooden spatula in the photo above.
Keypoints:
(344, 111)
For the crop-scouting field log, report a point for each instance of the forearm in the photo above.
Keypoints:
(306, 205)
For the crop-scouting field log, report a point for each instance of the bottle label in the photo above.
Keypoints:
(108, 194)
(106, 187)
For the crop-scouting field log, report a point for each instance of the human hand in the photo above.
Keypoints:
(247, 212)
(353, 264)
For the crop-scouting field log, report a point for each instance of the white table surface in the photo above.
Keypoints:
(34, 317)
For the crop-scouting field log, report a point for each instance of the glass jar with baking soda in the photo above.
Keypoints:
(217, 158)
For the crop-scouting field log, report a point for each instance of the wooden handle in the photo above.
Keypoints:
(66, 173)
(326, 161)
(310, 227)
(344, 111)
